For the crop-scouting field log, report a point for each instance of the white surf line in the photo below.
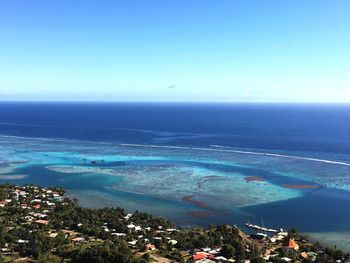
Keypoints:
(217, 148)
(282, 156)
(239, 152)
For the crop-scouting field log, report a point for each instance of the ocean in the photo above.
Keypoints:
(286, 165)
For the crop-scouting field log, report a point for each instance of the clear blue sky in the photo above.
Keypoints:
(175, 50)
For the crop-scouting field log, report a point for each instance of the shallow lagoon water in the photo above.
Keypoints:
(192, 186)
(190, 162)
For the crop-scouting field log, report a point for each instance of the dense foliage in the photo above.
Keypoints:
(46, 226)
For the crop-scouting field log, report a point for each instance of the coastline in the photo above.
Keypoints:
(50, 215)
(190, 172)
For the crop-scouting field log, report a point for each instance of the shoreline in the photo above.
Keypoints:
(50, 215)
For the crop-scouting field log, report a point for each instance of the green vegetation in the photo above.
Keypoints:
(43, 225)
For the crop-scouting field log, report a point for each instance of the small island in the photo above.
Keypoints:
(39, 224)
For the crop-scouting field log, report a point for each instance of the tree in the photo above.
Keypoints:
(106, 253)
(39, 245)
(257, 260)
(146, 257)
(175, 255)
(228, 251)
(276, 260)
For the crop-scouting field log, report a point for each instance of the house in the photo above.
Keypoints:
(199, 256)
(29, 218)
(292, 244)
(70, 232)
(172, 242)
(78, 239)
(151, 247)
(132, 243)
(119, 234)
(205, 261)
(312, 255)
(21, 241)
(40, 215)
(58, 198)
(127, 217)
(41, 222)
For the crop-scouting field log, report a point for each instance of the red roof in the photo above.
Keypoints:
(292, 244)
(199, 256)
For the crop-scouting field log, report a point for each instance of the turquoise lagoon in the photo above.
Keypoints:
(191, 185)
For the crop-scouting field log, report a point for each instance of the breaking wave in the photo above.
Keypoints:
(228, 149)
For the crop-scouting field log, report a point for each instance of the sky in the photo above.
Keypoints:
(175, 50)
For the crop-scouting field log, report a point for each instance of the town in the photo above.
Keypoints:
(40, 224)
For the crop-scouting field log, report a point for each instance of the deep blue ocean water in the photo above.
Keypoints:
(213, 147)
(299, 127)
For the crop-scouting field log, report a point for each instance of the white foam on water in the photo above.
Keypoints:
(216, 148)
(219, 148)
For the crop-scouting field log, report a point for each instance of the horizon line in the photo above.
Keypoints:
(174, 102)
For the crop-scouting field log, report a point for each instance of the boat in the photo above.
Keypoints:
(264, 229)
